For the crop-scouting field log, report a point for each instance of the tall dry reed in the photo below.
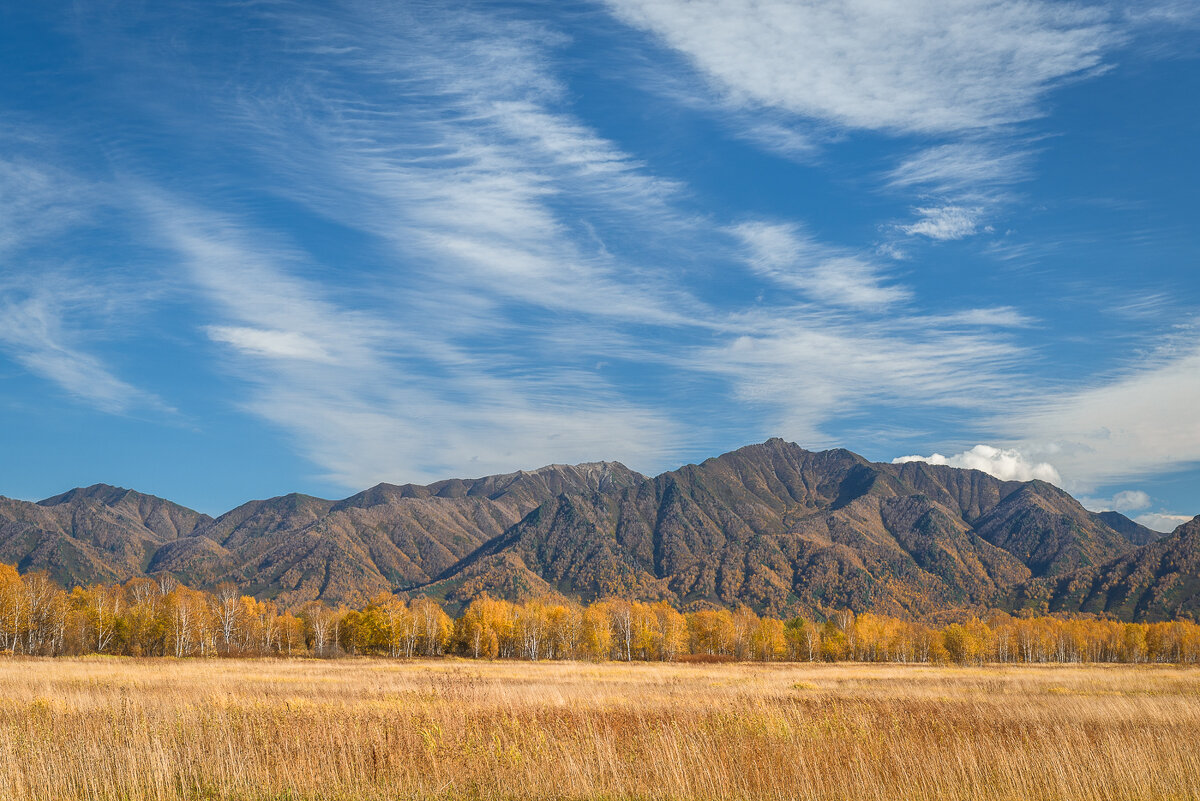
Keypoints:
(109, 728)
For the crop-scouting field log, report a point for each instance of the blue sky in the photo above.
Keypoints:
(261, 247)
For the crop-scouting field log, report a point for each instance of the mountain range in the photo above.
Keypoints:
(773, 526)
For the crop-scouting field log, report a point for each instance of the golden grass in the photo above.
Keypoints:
(108, 728)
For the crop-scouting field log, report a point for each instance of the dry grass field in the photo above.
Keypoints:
(112, 728)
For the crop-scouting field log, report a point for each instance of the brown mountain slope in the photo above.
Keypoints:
(770, 525)
(970, 493)
(92, 534)
(781, 528)
(1130, 530)
(1049, 531)
(389, 537)
(1158, 581)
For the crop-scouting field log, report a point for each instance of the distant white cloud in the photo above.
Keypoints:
(997, 316)
(1123, 501)
(1006, 464)
(1153, 17)
(1130, 500)
(1153, 306)
(1137, 423)
(810, 368)
(349, 384)
(1161, 521)
(787, 255)
(51, 320)
(493, 219)
(962, 167)
(779, 138)
(965, 182)
(965, 71)
(275, 344)
(944, 222)
(38, 199)
(928, 66)
(38, 331)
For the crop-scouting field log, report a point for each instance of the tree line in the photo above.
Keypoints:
(161, 617)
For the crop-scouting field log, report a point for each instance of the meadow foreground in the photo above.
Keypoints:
(114, 728)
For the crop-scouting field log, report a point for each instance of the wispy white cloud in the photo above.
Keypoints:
(479, 190)
(492, 203)
(1145, 306)
(966, 72)
(779, 138)
(1163, 28)
(787, 255)
(36, 331)
(944, 222)
(1135, 424)
(995, 317)
(513, 247)
(962, 185)
(810, 368)
(933, 66)
(1157, 13)
(486, 179)
(265, 342)
(51, 318)
(962, 168)
(347, 383)
(1007, 464)
(38, 200)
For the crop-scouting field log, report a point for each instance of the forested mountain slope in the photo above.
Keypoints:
(1159, 581)
(772, 525)
(294, 547)
(778, 527)
(92, 534)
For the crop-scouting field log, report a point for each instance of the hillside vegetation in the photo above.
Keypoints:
(779, 529)
(148, 618)
(369, 730)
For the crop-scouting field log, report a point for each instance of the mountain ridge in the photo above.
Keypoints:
(770, 525)
(1157, 581)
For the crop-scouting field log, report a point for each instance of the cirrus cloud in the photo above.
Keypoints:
(931, 66)
(944, 222)
(276, 344)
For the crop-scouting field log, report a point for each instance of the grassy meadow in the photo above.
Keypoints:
(119, 728)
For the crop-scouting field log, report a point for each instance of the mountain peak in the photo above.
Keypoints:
(552, 479)
(1129, 529)
(771, 524)
(1190, 528)
(106, 494)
